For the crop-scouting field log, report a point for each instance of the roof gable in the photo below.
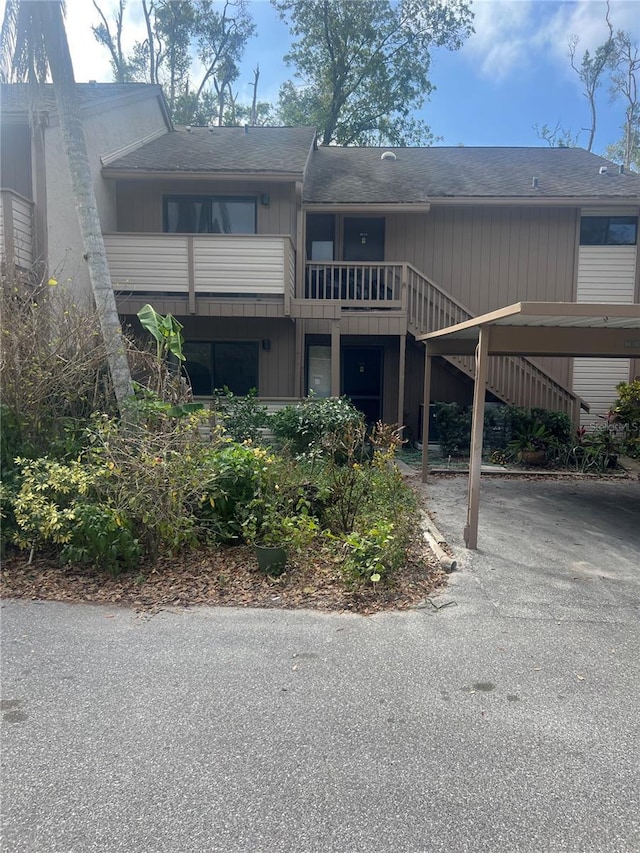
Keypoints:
(220, 150)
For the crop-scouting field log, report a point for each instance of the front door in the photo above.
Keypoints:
(362, 380)
(363, 238)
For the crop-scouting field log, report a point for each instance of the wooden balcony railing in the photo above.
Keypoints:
(206, 264)
(362, 285)
(16, 229)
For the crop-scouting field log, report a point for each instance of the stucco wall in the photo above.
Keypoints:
(117, 123)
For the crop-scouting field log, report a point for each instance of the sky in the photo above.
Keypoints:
(511, 75)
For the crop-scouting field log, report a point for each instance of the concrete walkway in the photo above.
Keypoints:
(506, 721)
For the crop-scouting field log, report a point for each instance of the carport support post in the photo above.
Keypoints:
(477, 427)
(426, 397)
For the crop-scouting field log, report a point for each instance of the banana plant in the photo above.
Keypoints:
(166, 331)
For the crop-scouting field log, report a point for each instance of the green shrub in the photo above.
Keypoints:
(153, 476)
(301, 428)
(454, 428)
(54, 506)
(101, 536)
(372, 553)
(242, 418)
(233, 478)
(503, 425)
(625, 413)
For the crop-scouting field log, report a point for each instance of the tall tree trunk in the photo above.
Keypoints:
(82, 182)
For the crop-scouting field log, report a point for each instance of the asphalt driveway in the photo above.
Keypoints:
(505, 721)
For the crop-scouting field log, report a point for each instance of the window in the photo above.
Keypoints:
(214, 365)
(608, 230)
(209, 215)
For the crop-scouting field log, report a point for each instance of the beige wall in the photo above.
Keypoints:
(488, 257)
(116, 124)
(492, 256)
(139, 203)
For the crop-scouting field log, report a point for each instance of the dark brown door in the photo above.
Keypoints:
(363, 238)
(362, 380)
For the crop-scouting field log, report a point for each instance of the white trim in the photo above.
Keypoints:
(111, 156)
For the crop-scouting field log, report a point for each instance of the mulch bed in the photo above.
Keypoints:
(223, 576)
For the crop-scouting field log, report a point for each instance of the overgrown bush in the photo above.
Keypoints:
(454, 428)
(56, 505)
(53, 370)
(625, 413)
(503, 425)
(242, 418)
(153, 473)
(234, 477)
(301, 427)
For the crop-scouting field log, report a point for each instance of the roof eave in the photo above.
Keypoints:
(540, 201)
(210, 174)
(385, 207)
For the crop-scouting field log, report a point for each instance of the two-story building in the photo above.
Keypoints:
(296, 267)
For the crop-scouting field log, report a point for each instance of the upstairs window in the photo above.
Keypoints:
(209, 215)
(608, 230)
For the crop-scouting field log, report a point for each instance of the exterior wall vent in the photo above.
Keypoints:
(388, 155)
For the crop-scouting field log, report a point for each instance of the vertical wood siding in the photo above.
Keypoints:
(492, 256)
(139, 203)
(489, 257)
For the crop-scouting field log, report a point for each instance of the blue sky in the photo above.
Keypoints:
(512, 74)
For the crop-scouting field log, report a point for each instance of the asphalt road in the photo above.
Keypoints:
(505, 721)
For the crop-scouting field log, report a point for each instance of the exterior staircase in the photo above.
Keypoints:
(513, 379)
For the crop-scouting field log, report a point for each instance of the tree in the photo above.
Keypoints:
(113, 42)
(363, 65)
(590, 71)
(178, 32)
(624, 84)
(33, 41)
(557, 136)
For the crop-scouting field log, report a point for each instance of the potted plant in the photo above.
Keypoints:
(530, 446)
(275, 531)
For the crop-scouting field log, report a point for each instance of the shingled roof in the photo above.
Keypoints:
(419, 175)
(222, 149)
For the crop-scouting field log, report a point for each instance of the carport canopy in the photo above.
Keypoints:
(573, 329)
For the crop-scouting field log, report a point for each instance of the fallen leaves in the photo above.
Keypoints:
(223, 576)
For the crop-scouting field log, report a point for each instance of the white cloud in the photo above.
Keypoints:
(502, 29)
(511, 35)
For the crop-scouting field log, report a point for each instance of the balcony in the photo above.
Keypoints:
(16, 229)
(212, 265)
(355, 285)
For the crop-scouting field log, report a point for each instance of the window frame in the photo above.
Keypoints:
(606, 223)
(211, 345)
(210, 198)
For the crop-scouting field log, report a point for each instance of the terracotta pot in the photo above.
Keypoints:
(534, 457)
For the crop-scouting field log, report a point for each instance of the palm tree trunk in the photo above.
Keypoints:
(82, 182)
